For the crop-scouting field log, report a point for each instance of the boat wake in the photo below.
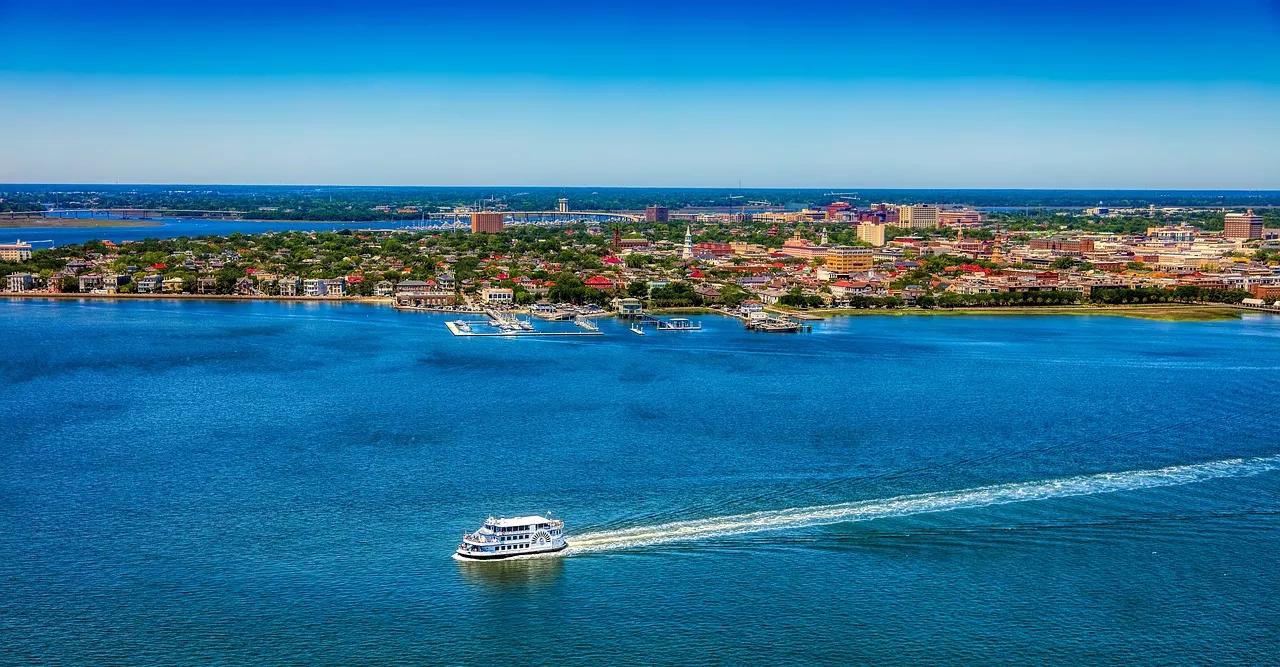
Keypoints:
(924, 503)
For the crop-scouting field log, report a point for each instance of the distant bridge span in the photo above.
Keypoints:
(515, 217)
(547, 216)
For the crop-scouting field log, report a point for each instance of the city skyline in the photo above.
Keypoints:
(1138, 96)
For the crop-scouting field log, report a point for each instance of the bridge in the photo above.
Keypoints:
(121, 213)
(510, 217)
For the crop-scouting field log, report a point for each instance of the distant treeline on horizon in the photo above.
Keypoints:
(331, 202)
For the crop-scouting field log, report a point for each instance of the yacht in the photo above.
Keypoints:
(507, 538)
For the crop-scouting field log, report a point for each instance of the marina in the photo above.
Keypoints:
(465, 328)
(508, 325)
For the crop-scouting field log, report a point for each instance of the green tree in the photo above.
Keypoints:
(638, 289)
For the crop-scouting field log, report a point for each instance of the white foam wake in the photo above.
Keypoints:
(941, 501)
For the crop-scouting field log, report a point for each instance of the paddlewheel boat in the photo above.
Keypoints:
(508, 538)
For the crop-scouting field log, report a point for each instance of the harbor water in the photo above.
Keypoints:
(187, 482)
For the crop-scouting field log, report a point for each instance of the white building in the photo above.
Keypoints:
(21, 282)
(498, 296)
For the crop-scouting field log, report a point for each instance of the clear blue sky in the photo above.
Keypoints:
(1084, 94)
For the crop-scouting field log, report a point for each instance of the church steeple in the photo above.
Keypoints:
(688, 243)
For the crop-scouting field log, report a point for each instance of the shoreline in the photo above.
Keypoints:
(1162, 312)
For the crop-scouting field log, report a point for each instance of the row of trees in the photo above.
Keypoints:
(1181, 294)
(953, 300)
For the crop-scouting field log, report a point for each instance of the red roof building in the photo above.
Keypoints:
(599, 282)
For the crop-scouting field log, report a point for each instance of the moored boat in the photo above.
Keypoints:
(507, 538)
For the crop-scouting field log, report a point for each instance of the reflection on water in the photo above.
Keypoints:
(513, 573)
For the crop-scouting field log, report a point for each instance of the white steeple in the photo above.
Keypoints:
(688, 243)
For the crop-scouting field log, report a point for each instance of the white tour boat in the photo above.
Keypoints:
(507, 538)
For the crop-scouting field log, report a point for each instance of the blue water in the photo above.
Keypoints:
(169, 228)
(206, 482)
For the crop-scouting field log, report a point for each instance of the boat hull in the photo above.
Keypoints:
(488, 557)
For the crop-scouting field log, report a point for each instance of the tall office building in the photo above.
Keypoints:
(1242, 226)
(919, 216)
(872, 233)
(563, 205)
(657, 214)
(488, 222)
(845, 260)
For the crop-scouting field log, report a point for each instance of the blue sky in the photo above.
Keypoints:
(843, 94)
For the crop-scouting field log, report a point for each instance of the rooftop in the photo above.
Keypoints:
(518, 521)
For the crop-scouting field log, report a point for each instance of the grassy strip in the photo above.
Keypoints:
(686, 310)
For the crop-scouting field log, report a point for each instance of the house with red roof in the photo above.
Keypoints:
(599, 282)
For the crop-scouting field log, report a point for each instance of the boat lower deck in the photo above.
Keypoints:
(506, 555)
